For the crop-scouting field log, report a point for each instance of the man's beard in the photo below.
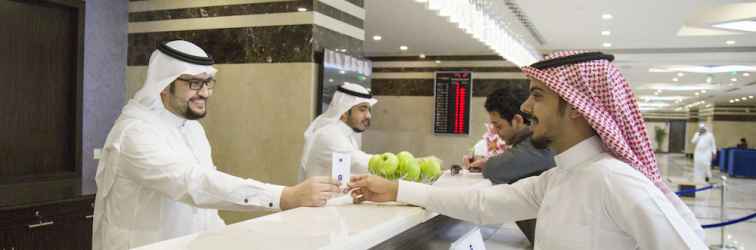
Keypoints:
(359, 130)
(542, 142)
(189, 114)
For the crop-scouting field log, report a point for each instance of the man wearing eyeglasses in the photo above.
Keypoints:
(156, 179)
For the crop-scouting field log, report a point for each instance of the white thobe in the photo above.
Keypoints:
(334, 137)
(590, 200)
(157, 181)
(706, 147)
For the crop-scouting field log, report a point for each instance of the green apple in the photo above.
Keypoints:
(385, 165)
(373, 164)
(430, 169)
(409, 168)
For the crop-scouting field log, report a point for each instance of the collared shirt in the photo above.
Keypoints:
(590, 200)
(157, 181)
(335, 137)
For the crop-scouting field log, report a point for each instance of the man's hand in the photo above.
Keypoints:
(313, 192)
(478, 165)
(372, 188)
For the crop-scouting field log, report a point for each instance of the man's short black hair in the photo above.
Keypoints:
(506, 101)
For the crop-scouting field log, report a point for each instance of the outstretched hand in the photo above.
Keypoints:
(372, 188)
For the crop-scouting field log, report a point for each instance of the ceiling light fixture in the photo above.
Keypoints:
(746, 74)
(730, 42)
(377, 38)
(403, 48)
(733, 79)
(675, 79)
(301, 9)
(482, 20)
(607, 16)
(438, 61)
(680, 74)
(606, 45)
(606, 33)
(746, 25)
(422, 56)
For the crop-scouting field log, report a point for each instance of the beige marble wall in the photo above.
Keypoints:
(728, 133)
(255, 120)
(406, 123)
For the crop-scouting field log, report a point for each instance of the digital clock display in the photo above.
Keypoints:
(452, 92)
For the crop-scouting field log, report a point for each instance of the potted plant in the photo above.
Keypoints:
(659, 136)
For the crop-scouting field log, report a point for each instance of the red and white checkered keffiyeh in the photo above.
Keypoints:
(600, 93)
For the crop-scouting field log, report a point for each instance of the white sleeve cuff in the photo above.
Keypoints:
(413, 193)
(275, 191)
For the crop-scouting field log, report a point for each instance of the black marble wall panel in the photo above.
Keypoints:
(360, 3)
(442, 58)
(424, 87)
(269, 44)
(218, 11)
(339, 15)
(434, 69)
(735, 118)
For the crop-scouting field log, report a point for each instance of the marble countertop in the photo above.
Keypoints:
(338, 225)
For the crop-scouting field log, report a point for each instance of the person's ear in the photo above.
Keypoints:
(573, 113)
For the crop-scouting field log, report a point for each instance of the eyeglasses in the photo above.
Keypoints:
(196, 84)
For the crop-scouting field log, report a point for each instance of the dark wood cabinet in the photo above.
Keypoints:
(60, 225)
(41, 66)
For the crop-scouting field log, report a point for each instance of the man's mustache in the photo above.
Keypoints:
(198, 98)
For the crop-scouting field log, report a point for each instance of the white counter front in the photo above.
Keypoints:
(338, 225)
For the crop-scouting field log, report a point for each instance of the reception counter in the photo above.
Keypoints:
(343, 225)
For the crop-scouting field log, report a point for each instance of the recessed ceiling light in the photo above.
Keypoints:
(746, 74)
(675, 79)
(403, 48)
(422, 56)
(703, 91)
(342, 72)
(680, 74)
(733, 79)
(697, 94)
(747, 25)
(708, 79)
(330, 80)
(607, 16)
(377, 38)
(606, 33)
(606, 45)
(750, 97)
(301, 9)
(743, 98)
(730, 42)
(731, 101)
(438, 61)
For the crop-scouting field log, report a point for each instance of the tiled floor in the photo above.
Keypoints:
(740, 201)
